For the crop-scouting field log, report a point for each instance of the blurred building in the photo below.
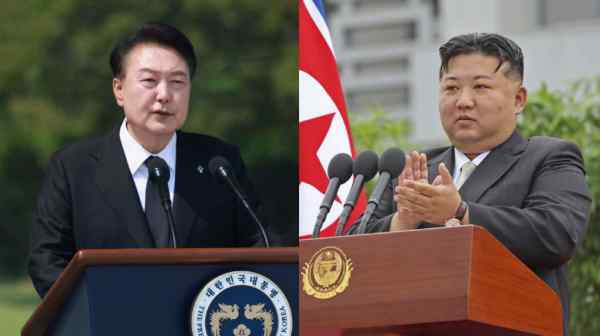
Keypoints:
(387, 49)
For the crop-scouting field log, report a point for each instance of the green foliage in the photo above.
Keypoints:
(574, 114)
(17, 301)
(55, 88)
(379, 131)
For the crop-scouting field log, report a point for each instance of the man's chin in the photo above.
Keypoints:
(465, 136)
(162, 129)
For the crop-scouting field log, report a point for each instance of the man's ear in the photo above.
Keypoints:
(117, 85)
(520, 99)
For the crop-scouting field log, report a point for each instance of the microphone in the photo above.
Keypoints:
(158, 172)
(339, 171)
(390, 166)
(220, 168)
(364, 168)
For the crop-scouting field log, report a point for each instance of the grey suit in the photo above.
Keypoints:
(531, 194)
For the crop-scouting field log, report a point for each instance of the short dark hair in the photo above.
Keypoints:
(503, 48)
(158, 33)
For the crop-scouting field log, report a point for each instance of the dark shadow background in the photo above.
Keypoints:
(55, 88)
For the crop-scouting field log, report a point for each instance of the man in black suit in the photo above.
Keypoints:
(531, 194)
(98, 194)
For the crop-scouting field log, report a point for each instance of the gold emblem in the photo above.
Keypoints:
(241, 330)
(232, 312)
(327, 274)
(258, 312)
(225, 312)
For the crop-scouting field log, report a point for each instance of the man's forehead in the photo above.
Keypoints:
(155, 58)
(176, 71)
(450, 76)
(475, 65)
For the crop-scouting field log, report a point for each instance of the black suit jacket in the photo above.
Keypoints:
(531, 194)
(88, 200)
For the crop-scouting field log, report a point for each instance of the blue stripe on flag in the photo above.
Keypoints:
(321, 6)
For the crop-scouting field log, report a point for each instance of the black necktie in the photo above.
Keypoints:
(155, 213)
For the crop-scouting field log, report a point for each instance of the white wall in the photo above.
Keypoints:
(560, 56)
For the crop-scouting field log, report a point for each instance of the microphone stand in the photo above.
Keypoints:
(246, 205)
(166, 203)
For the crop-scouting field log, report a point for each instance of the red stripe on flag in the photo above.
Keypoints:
(316, 59)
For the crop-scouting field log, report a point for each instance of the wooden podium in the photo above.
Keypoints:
(149, 291)
(442, 281)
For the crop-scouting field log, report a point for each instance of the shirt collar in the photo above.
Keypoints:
(460, 158)
(136, 154)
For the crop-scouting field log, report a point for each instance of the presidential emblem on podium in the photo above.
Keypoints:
(327, 274)
(241, 303)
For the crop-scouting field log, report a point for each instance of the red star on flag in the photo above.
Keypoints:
(312, 132)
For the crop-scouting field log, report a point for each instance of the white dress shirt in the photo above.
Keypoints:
(135, 155)
(460, 159)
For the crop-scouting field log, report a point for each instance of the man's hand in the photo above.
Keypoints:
(415, 169)
(435, 203)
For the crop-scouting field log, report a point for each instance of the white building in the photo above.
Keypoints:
(387, 49)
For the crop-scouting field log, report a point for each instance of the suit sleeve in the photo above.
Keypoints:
(52, 240)
(546, 230)
(248, 232)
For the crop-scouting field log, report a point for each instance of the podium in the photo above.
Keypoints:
(150, 291)
(441, 281)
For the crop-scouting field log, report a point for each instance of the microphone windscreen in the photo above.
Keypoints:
(366, 165)
(392, 161)
(215, 163)
(341, 167)
(158, 170)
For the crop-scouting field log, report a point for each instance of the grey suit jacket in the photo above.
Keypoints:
(531, 194)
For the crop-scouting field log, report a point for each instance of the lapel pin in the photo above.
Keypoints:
(200, 169)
